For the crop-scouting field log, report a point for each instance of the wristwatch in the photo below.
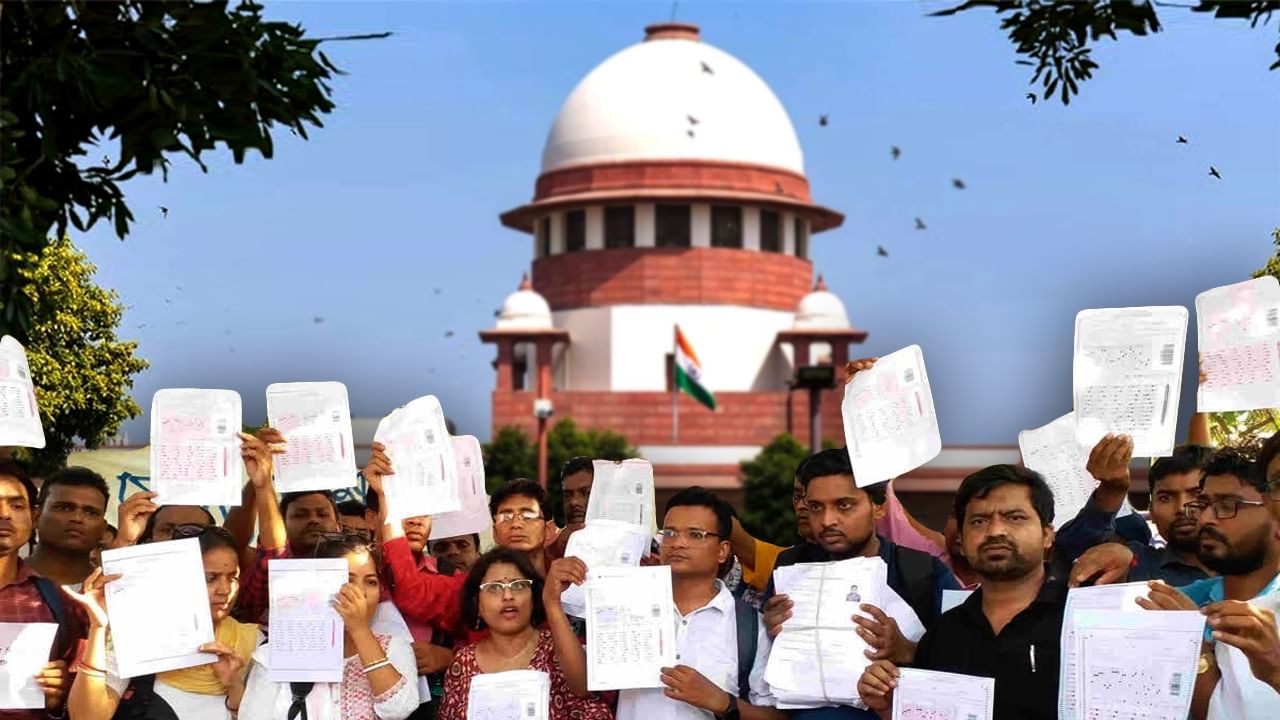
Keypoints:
(731, 712)
(1207, 660)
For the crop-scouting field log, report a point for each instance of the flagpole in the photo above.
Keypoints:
(675, 386)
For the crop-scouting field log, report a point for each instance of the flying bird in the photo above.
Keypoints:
(1181, 140)
(449, 334)
(707, 68)
(894, 151)
(317, 319)
(920, 224)
(164, 211)
(436, 290)
(957, 183)
(1214, 172)
(881, 252)
(822, 120)
(1032, 98)
(692, 120)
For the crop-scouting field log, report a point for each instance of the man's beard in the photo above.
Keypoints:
(1232, 561)
(1013, 567)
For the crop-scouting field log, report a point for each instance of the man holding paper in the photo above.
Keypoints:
(1240, 539)
(27, 598)
(1009, 628)
(707, 681)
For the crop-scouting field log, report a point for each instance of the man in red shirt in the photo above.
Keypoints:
(26, 597)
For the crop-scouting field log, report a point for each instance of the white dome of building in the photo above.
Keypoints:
(821, 310)
(672, 97)
(524, 309)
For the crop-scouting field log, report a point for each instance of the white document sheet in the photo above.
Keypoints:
(1054, 452)
(195, 450)
(421, 452)
(933, 695)
(316, 421)
(473, 513)
(1137, 666)
(890, 426)
(954, 598)
(1112, 598)
(1238, 333)
(622, 492)
(510, 695)
(19, 415)
(818, 657)
(601, 544)
(306, 632)
(24, 650)
(159, 608)
(1127, 375)
(631, 627)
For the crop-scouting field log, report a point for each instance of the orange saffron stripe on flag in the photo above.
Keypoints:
(686, 348)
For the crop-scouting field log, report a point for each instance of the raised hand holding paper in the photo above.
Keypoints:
(315, 419)
(1127, 375)
(19, 414)
(631, 627)
(1054, 452)
(1238, 333)
(306, 631)
(890, 426)
(195, 449)
(421, 452)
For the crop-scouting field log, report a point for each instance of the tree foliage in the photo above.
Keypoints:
(1055, 37)
(82, 372)
(514, 454)
(1272, 267)
(157, 78)
(767, 482)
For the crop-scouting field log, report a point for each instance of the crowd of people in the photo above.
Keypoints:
(423, 617)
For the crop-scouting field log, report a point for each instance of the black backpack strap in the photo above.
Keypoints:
(140, 702)
(748, 624)
(52, 596)
(916, 570)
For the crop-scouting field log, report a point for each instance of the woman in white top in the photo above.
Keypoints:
(208, 692)
(379, 675)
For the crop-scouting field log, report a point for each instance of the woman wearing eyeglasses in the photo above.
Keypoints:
(503, 594)
(379, 673)
(212, 691)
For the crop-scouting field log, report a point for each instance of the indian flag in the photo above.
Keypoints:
(689, 372)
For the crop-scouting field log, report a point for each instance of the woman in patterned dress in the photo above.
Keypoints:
(379, 673)
(503, 594)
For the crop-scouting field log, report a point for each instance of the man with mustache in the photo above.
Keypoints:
(1239, 540)
(70, 520)
(1175, 481)
(576, 478)
(1009, 628)
(842, 519)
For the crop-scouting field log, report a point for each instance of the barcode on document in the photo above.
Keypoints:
(1175, 685)
(222, 426)
(971, 716)
(1166, 354)
(1273, 317)
(909, 375)
(530, 709)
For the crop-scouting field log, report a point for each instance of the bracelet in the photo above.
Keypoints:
(378, 665)
(382, 659)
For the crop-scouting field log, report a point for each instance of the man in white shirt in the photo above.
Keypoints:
(705, 683)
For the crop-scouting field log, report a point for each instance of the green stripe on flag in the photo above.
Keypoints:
(696, 391)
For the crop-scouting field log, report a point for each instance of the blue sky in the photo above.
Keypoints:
(440, 128)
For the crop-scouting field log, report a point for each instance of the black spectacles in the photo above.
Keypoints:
(348, 539)
(364, 534)
(693, 534)
(1223, 508)
(190, 530)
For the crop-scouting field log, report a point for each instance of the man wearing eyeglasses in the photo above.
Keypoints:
(70, 522)
(1240, 540)
(521, 511)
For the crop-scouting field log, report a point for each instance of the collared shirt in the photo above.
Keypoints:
(707, 641)
(1238, 694)
(1155, 563)
(1093, 525)
(1023, 658)
(21, 602)
(255, 593)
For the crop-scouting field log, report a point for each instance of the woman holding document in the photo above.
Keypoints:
(504, 595)
(379, 672)
(212, 691)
